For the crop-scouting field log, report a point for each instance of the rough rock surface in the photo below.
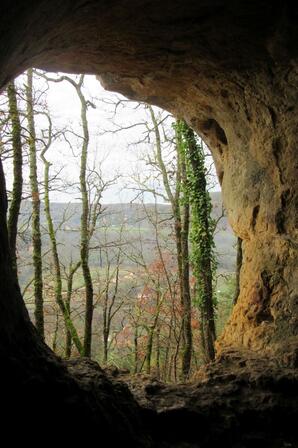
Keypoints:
(240, 401)
(45, 401)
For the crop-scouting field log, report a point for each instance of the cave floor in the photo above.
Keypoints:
(241, 400)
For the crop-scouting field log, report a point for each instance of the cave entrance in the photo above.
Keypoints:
(237, 88)
(220, 66)
(87, 163)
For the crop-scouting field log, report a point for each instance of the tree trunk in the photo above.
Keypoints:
(15, 205)
(179, 206)
(36, 235)
(187, 330)
(68, 335)
(157, 339)
(86, 232)
(202, 237)
(105, 347)
(149, 348)
(84, 227)
(58, 279)
(136, 349)
(55, 335)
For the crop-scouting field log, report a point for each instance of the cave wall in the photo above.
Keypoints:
(231, 70)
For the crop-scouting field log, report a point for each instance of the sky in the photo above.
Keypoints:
(114, 151)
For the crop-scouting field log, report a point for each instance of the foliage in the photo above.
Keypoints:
(202, 229)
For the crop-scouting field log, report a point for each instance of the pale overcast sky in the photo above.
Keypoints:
(115, 151)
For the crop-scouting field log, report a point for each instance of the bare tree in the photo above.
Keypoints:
(35, 197)
(85, 215)
(16, 197)
(177, 197)
(64, 307)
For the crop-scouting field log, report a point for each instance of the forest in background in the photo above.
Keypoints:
(146, 285)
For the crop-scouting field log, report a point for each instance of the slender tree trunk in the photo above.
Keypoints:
(105, 311)
(151, 332)
(84, 226)
(106, 334)
(136, 349)
(109, 302)
(85, 215)
(17, 189)
(181, 239)
(157, 338)
(58, 279)
(68, 334)
(168, 350)
(149, 348)
(55, 336)
(36, 235)
(171, 365)
(175, 360)
(68, 343)
(208, 313)
(105, 346)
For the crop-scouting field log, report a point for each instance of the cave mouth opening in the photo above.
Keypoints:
(224, 104)
(100, 121)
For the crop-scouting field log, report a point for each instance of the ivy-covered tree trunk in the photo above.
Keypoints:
(15, 205)
(187, 330)
(36, 235)
(186, 295)
(201, 237)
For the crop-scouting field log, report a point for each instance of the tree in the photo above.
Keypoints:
(64, 307)
(184, 236)
(85, 215)
(85, 238)
(16, 197)
(69, 333)
(203, 261)
(35, 197)
(180, 207)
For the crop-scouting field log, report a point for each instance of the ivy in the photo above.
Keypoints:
(202, 256)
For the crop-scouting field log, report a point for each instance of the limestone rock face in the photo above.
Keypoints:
(231, 70)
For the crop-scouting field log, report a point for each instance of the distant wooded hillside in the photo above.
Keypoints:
(134, 219)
